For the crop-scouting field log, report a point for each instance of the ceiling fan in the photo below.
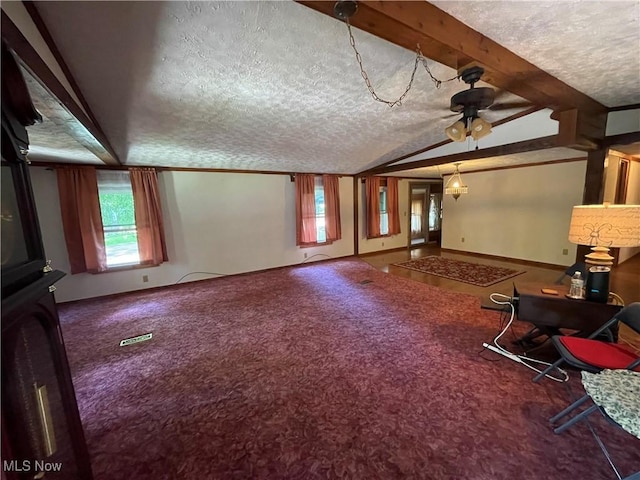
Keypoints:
(469, 102)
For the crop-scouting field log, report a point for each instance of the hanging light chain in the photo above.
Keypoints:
(420, 58)
(366, 77)
(436, 82)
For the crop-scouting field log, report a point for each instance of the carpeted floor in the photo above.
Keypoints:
(312, 372)
(467, 272)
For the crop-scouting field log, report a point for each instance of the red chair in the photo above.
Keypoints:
(594, 355)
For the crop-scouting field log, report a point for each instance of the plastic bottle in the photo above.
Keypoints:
(577, 283)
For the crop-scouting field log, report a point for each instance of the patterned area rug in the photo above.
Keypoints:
(473, 273)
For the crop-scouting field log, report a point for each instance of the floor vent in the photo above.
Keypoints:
(138, 339)
(364, 282)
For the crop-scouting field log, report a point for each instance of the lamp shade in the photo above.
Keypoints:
(480, 128)
(605, 225)
(456, 132)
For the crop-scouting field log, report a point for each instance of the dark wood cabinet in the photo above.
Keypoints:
(42, 434)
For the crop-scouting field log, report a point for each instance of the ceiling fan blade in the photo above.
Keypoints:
(451, 115)
(510, 105)
(501, 93)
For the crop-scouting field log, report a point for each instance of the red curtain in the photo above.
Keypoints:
(305, 209)
(372, 195)
(393, 208)
(81, 219)
(333, 227)
(149, 223)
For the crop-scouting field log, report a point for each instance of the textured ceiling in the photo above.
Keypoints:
(244, 85)
(275, 86)
(53, 139)
(593, 46)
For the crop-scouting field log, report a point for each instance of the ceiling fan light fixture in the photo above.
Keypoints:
(480, 128)
(457, 132)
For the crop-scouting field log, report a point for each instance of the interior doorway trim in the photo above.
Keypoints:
(426, 188)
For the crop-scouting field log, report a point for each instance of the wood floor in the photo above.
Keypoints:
(625, 278)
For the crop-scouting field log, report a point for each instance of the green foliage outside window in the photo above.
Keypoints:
(118, 218)
(117, 209)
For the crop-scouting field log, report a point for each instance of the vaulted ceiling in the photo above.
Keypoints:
(274, 86)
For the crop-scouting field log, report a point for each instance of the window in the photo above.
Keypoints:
(114, 214)
(381, 199)
(321, 232)
(317, 209)
(118, 218)
(384, 216)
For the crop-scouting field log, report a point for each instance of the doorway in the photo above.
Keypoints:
(425, 200)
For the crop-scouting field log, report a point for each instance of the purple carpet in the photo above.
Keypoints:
(323, 371)
(467, 272)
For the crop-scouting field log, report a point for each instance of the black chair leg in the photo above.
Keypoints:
(569, 409)
(577, 418)
(547, 370)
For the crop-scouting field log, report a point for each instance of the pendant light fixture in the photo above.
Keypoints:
(454, 186)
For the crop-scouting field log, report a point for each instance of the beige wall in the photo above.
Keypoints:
(520, 213)
(215, 222)
(232, 223)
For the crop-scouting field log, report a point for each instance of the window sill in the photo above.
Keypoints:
(311, 245)
(121, 268)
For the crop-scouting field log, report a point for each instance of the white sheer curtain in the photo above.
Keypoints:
(416, 216)
(435, 211)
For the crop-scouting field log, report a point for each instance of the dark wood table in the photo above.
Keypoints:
(551, 313)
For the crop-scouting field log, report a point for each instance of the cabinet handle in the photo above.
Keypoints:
(52, 288)
(46, 422)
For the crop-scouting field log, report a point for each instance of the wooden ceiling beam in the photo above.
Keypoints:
(542, 143)
(90, 134)
(579, 130)
(622, 108)
(621, 139)
(447, 40)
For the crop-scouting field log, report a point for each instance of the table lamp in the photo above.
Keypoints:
(604, 226)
